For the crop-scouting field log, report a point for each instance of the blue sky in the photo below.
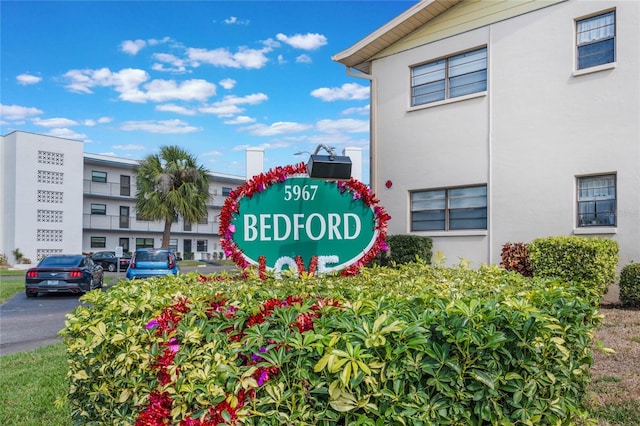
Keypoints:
(213, 77)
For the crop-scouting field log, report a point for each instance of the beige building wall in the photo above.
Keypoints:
(539, 126)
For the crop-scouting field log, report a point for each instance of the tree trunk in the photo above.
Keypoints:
(166, 234)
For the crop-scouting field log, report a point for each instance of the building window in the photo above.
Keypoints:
(449, 209)
(53, 158)
(201, 245)
(99, 209)
(98, 242)
(173, 244)
(125, 185)
(450, 77)
(226, 191)
(97, 176)
(54, 197)
(596, 40)
(597, 200)
(49, 235)
(55, 178)
(204, 220)
(144, 243)
(53, 216)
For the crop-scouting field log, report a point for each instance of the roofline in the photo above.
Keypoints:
(359, 55)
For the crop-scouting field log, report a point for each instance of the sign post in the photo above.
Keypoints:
(119, 254)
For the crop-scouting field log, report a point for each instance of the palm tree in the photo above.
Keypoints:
(171, 184)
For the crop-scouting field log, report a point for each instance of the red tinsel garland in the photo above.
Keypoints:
(280, 174)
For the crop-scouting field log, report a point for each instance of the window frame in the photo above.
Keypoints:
(605, 216)
(447, 209)
(202, 245)
(226, 191)
(98, 176)
(98, 242)
(579, 45)
(447, 78)
(102, 211)
(142, 242)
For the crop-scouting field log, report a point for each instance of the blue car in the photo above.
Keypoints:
(154, 262)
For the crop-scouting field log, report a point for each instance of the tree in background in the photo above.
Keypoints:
(172, 184)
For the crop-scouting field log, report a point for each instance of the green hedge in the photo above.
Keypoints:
(414, 345)
(405, 249)
(591, 261)
(630, 285)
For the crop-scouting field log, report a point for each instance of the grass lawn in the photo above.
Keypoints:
(30, 383)
(11, 282)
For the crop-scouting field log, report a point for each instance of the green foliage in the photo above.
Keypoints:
(591, 261)
(405, 249)
(413, 345)
(630, 285)
(515, 257)
(171, 184)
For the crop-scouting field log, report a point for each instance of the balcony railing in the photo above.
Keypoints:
(118, 223)
(112, 189)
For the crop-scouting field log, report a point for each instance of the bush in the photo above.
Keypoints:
(630, 285)
(405, 249)
(591, 261)
(515, 257)
(411, 345)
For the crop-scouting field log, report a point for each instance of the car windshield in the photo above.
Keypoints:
(60, 261)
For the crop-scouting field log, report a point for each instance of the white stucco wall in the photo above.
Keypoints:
(528, 137)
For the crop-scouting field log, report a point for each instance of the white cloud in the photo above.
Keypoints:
(281, 60)
(348, 91)
(176, 64)
(265, 146)
(243, 58)
(17, 112)
(241, 119)
(166, 126)
(348, 125)
(233, 20)
(211, 154)
(309, 41)
(277, 128)
(228, 83)
(129, 147)
(304, 59)
(27, 79)
(132, 47)
(229, 105)
(102, 120)
(175, 108)
(357, 110)
(164, 90)
(127, 82)
(67, 134)
(124, 81)
(155, 41)
(55, 122)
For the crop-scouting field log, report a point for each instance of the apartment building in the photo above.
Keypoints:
(496, 122)
(58, 199)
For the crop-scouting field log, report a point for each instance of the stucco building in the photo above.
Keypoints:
(495, 122)
(57, 199)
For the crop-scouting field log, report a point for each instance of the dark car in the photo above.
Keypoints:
(149, 262)
(75, 273)
(109, 261)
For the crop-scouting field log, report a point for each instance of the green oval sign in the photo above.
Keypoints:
(304, 217)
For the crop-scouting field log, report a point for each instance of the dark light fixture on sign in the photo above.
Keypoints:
(332, 166)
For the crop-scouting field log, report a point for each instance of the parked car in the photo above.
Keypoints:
(148, 262)
(109, 261)
(75, 273)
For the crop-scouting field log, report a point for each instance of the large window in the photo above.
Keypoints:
(201, 245)
(596, 40)
(97, 176)
(98, 209)
(144, 243)
(449, 209)
(449, 77)
(98, 242)
(226, 191)
(125, 185)
(597, 200)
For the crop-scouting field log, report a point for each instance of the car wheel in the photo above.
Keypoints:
(111, 267)
(31, 293)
